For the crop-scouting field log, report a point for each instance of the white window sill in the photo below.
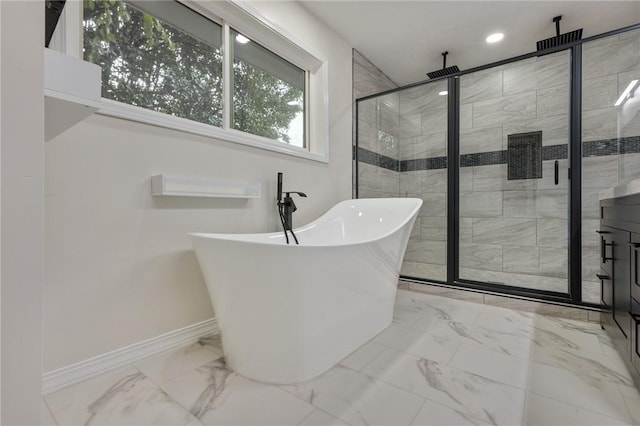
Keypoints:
(142, 115)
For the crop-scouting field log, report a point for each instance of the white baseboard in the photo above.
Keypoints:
(74, 373)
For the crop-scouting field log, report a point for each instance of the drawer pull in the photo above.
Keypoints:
(602, 232)
(634, 244)
(603, 250)
(603, 277)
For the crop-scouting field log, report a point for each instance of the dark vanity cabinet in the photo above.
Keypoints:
(620, 275)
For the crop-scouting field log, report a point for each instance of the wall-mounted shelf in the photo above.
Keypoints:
(71, 90)
(162, 185)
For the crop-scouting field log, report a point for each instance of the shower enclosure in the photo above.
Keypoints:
(510, 160)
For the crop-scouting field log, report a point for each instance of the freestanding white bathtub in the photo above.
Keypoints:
(288, 313)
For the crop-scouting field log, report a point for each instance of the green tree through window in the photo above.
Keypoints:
(154, 63)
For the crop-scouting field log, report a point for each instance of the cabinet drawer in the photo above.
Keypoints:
(635, 308)
(635, 347)
(635, 265)
(606, 289)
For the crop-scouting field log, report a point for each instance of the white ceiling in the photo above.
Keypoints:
(404, 38)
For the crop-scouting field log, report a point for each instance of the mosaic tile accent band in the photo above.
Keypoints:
(628, 145)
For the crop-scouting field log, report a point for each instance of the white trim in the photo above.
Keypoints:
(242, 16)
(74, 373)
(142, 115)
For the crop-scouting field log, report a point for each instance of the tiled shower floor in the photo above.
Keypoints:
(442, 362)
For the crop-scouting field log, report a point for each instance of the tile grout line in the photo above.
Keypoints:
(626, 404)
(46, 405)
(159, 387)
(417, 412)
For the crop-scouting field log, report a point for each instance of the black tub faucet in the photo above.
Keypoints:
(286, 207)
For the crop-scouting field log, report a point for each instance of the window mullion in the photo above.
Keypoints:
(227, 77)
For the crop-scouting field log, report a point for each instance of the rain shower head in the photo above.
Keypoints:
(444, 71)
(559, 39)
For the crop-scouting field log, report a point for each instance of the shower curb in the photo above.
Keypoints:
(62, 377)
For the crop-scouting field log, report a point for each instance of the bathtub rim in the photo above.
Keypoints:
(229, 237)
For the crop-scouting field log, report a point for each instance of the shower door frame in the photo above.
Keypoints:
(574, 145)
(574, 219)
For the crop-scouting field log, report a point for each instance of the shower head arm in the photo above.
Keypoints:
(444, 59)
(557, 21)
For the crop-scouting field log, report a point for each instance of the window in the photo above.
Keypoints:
(157, 55)
(268, 93)
(166, 57)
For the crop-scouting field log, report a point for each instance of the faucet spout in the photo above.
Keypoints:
(301, 194)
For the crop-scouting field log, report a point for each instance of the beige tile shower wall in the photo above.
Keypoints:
(379, 125)
(378, 120)
(423, 126)
(368, 80)
(378, 132)
(514, 231)
(608, 67)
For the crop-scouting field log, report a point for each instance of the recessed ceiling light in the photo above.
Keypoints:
(443, 93)
(242, 39)
(494, 38)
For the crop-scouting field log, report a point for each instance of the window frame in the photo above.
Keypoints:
(244, 18)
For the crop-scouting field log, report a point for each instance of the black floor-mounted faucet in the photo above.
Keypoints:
(286, 207)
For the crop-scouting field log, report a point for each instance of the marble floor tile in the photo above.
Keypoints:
(216, 395)
(170, 365)
(363, 355)
(544, 330)
(357, 398)
(441, 362)
(121, 397)
(572, 345)
(599, 367)
(417, 343)
(321, 418)
(473, 335)
(438, 307)
(588, 393)
(541, 411)
(434, 414)
(476, 396)
(405, 316)
(492, 365)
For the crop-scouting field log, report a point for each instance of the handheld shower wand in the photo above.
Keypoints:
(279, 187)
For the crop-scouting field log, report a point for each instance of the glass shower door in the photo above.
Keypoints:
(423, 174)
(513, 174)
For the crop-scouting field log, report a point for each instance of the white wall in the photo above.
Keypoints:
(119, 266)
(21, 225)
